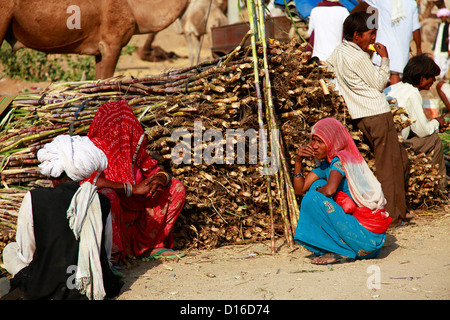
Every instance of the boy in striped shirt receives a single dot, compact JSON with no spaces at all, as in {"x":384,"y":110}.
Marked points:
{"x":361,"y":84}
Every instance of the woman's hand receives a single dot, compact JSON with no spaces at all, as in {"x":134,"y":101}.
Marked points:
{"x":305,"y":151}
{"x":142,"y":188}
{"x":155,"y":184}
{"x":301,"y":184}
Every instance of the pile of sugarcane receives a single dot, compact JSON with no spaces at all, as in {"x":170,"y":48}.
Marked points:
{"x":265,"y":87}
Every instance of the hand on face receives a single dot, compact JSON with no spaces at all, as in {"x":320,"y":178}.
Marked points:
{"x":305,"y":151}
{"x":317,"y":149}
{"x":381,"y":50}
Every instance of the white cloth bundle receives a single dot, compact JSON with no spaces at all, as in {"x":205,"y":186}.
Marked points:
{"x":85,"y":220}
{"x":397,"y":11}
{"x":75,"y":155}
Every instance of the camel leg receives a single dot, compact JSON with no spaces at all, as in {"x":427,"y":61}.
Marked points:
{"x":191,"y":48}
{"x":145,"y":52}
{"x":106,"y":62}
{"x":98,"y":65}
{"x":197,"y":49}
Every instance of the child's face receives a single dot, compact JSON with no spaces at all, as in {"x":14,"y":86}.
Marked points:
{"x":365,"y":39}
{"x":426,"y":83}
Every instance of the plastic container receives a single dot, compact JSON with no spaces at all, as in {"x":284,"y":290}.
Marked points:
{"x":431,"y":108}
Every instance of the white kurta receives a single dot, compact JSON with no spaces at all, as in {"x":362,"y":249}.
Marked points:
{"x":396,"y":37}
{"x":327,"y":23}
{"x":410,"y":98}
{"x":441,"y":58}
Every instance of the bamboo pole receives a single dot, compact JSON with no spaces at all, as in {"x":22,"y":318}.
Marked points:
{"x":285,"y":179}
{"x":250,"y":9}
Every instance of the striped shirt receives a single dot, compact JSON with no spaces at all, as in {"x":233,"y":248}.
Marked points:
{"x":360,"y":82}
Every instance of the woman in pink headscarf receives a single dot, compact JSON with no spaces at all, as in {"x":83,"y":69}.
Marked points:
{"x":342,"y":214}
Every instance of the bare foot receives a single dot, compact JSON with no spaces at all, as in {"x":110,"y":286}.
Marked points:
{"x":331,"y":258}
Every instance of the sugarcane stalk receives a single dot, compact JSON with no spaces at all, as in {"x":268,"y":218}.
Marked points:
{"x":8,"y":224}
{"x":281,"y":159}
{"x":252,"y":19}
{"x":32,"y":137}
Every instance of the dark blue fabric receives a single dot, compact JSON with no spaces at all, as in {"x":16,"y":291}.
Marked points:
{"x":304,"y":7}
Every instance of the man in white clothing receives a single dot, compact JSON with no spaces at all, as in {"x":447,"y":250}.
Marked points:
{"x":398,"y":23}
{"x":64,"y":229}
{"x":420,"y":74}
{"x":441,"y":43}
{"x":325,"y":27}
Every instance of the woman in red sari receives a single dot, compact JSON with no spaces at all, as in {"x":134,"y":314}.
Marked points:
{"x":145,"y":201}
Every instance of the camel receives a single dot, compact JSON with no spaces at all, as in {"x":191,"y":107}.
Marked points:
{"x":99,"y":28}
{"x":192,"y":24}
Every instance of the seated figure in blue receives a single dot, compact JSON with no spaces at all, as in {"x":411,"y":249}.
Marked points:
{"x":342,"y":216}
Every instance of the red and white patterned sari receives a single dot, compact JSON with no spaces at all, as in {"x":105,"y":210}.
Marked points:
{"x":139,"y":222}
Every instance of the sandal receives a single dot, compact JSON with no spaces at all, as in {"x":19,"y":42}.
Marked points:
{"x":337,"y":258}
{"x":158,"y":255}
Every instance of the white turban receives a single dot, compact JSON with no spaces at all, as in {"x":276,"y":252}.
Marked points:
{"x":75,"y":155}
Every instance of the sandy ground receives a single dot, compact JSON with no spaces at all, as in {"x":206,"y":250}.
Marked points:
{"x":414,"y":263}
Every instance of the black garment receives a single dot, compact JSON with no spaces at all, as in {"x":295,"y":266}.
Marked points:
{"x":50,"y":275}
{"x":444,"y":44}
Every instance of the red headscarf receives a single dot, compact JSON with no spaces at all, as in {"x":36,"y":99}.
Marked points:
{"x":119,"y":134}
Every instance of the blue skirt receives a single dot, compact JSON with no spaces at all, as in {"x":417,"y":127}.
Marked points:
{"x":323,"y":227}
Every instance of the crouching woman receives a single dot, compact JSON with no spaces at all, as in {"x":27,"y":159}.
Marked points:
{"x":342,"y":216}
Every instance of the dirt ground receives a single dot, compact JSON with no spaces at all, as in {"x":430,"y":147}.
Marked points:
{"x":414,"y":263}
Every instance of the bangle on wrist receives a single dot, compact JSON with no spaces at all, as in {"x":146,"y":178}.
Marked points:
{"x":128,"y":189}
{"x":167,"y":176}
{"x":298,"y":175}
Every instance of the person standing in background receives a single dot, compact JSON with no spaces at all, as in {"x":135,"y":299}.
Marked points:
{"x":398,"y":24}
{"x":325,"y":27}
{"x":440,"y":45}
